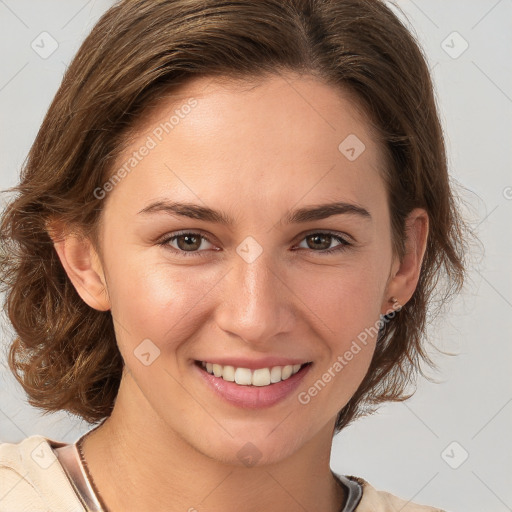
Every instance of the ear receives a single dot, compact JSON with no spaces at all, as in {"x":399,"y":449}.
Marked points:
{"x":82,"y":265}
{"x":406,"y":273}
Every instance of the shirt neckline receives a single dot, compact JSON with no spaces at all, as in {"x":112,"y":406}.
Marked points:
{"x":69,"y":459}
{"x":353,"y":492}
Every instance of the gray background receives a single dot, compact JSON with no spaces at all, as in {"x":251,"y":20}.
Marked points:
{"x":407,"y":448}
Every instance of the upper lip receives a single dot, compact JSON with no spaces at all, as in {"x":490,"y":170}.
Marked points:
{"x":253,"y":364}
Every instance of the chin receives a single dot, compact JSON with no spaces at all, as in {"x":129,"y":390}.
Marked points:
{"x":250,"y":450}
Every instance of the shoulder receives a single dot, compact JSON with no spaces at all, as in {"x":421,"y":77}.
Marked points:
{"x":32,"y":479}
{"x":382,"y":501}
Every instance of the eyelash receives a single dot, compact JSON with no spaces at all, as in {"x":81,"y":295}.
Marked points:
{"x":344,"y":244}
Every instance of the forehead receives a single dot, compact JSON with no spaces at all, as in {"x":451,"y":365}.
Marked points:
{"x":268,"y":104}
{"x":281,"y":137}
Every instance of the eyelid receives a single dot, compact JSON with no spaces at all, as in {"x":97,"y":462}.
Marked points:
{"x":348,"y":238}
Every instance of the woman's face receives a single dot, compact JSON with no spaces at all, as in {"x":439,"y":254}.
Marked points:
{"x":239,"y":274}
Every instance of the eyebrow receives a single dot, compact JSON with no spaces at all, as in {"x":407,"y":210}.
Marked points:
{"x":298,"y":216}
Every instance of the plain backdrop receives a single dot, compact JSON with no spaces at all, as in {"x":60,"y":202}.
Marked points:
{"x":448,"y":445}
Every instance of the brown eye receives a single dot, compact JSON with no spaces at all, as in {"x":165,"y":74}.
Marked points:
{"x":188,"y":242}
{"x":185,"y":244}
{"x":321,"y":243}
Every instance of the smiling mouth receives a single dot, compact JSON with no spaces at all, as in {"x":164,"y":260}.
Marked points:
{"x":247,"y":377}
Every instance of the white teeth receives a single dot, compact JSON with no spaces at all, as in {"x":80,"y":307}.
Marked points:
{"x":243,"y":376}
{"x":217,"y":370}
{"x":287,"y":372}
{"x":247,"y":377}
{"x":275,"y":374}
{"x":229,"y":373}
{"x":261,"y":377}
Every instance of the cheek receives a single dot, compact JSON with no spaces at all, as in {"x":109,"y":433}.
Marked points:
{"x":345,"y":305}
{"x":157,"y":301}
{"x":345,"y":299}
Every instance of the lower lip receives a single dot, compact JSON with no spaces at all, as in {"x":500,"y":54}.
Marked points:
{"x":253,"y":397}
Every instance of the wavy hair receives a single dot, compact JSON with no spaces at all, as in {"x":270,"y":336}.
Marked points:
{"x":64,"y":353}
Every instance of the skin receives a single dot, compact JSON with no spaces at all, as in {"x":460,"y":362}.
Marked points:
{"x":254,"y":153}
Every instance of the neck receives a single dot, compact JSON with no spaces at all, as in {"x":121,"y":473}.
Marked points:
{"x":156,"y":469}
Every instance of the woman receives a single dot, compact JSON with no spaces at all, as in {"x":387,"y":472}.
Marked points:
{"x":224,"y":246}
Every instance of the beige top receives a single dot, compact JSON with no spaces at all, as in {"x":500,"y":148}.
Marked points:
{"x":39,"y":474}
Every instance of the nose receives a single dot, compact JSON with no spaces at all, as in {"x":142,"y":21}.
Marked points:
{"x":256,"y":303}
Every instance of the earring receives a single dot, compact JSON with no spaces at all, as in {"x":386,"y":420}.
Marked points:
{"x":394,"y":300}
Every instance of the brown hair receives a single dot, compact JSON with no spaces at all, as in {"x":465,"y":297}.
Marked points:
{"x":65,"y":354}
